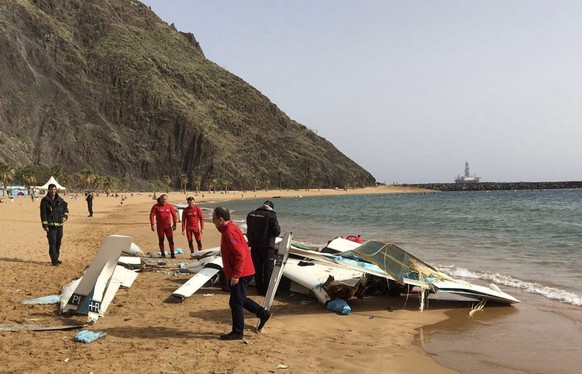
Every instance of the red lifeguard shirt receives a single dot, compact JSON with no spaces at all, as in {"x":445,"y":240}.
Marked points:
{"x":163,"y":215}
{"x":190,"y":218}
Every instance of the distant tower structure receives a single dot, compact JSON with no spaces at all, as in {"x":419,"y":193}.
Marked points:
{"x":467,"y":178}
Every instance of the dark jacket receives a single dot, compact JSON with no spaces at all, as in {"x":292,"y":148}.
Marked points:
{"x":53,"y":211}
{"x":262,"y":227}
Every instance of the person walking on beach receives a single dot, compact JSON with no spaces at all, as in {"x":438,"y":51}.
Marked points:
{"x":262,"y":229}
{"x":89,"y":200}
{"x":193,"y":224}
{"x":239,"y":270}
{"x":163,"y":215}
{"x":54,"y":212}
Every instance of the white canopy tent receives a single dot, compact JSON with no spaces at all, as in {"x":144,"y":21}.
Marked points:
{"x":51,"y":180}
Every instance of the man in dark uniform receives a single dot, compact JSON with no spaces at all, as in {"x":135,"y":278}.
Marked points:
{"x":262,"y":229}
{"x":89,"y":200}
{"x":54,"y":212}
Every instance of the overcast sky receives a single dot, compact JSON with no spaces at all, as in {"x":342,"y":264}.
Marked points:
{"x":410,"y":90}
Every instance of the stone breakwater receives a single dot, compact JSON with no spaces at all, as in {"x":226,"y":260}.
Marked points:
{"x":491,"y":186}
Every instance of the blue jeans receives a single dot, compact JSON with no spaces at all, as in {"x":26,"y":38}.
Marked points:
{"x":239,"y":301}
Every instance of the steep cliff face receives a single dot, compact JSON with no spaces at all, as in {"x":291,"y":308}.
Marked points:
{"x":106,"y":84}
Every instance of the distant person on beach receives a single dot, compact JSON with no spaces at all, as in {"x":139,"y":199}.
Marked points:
{"x":163,"y":215}
{"x":193,"y":224}
{"x":239,"y":270}
{"x":262,"y":229}
{"x":89,"y":200}
{"x":54,"y":212}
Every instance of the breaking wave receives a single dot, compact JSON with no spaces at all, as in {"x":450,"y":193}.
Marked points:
{"x":551,"y":293}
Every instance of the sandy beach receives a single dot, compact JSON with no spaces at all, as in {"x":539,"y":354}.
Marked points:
{"x":149,"y":332}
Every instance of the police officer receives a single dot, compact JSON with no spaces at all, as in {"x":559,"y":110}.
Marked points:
{"x":262,"y":229}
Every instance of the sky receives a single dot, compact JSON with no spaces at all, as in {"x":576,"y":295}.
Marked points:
{"x":412,"y":89}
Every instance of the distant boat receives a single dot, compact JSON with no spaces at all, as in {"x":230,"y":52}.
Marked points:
{"x":467,"y":178}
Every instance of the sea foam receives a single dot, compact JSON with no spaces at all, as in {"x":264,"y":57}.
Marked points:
{"x":551,"y":293}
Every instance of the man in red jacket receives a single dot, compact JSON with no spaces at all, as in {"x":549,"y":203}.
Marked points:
{"x":193,"y":224}
{"x":163,"y":215}
{"x":238,"y":269}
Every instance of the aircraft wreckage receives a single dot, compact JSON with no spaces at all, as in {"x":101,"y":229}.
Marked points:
{"x":340,"y":270}
{"x":344,"y":268}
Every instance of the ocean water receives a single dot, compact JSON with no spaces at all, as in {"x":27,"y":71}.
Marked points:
{"x":520,"y":240}
{"x":529,"y":243}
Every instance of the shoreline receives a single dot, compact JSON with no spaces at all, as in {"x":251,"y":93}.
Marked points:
{"x":145,"y":328}
{"x":205,"y":197}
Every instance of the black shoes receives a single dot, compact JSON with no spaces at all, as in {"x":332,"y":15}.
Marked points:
{"x":263,"y":321}
{"x":56,"y":263}
{"x":163,"y":255}
{"x":231,"y":336}
{"x":173,"y":255}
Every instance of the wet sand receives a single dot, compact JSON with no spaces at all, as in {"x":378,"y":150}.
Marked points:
{"x":535,"y":336}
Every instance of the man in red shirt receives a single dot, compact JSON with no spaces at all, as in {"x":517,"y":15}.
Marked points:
{"x":163,"y":215}
{"x":193,"y":224}
{"x":238,"y":269}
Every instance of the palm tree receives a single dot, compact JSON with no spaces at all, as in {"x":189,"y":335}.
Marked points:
{"x":345,"y":184}
{"x":29,"y":179}
{"x":167,"y":181}
{"x":197,"y":182}
{"x":183,"y":182}
{"x":214,"y":182}
{"x":87,"y":177}
{"x":6,"y":173}
{"x":225,"y":182}
{"x":108,"y":184}
{"x":28,"y":176}
{"x":97,"y":182}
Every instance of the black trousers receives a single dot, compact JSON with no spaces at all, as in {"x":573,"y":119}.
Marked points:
{"x":90,"y":208}
{"x":239,"y":301}
{"x":55,"y":235}
{"x":264,"y":262}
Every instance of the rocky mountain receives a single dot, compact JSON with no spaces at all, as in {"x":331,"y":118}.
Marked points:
{"x":108,"y":85}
